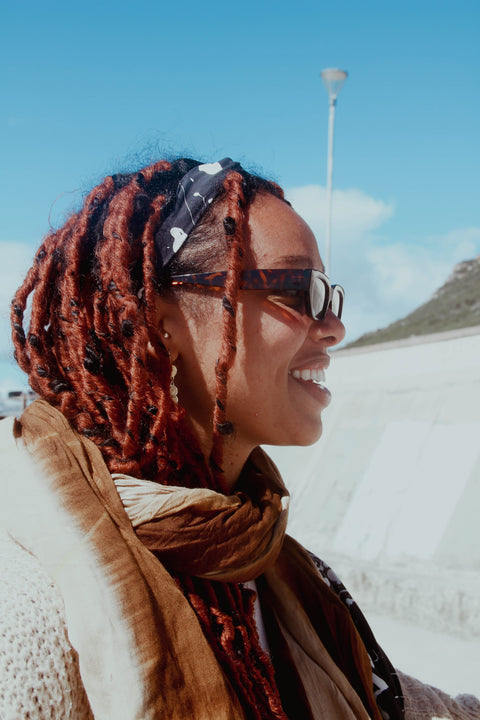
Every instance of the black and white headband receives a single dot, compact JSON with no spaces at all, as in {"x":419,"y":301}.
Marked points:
{"x":196,"y":191}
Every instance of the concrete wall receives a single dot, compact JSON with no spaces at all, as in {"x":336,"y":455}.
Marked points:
{"x":393,"y":486}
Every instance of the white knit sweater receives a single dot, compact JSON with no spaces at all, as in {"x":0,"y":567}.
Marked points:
{"x":39,"y":675}
{"x":39,"y":672}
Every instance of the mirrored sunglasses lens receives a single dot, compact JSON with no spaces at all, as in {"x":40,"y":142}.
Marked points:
{"x":336,"y":303}
{"x":318,"y":296}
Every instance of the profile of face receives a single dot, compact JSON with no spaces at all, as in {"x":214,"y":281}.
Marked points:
{"x":275,"y":387}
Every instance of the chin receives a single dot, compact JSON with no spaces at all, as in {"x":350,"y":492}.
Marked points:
{"x":302,"y":437}
{"x":312,"y":438}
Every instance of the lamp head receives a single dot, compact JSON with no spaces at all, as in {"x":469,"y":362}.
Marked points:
{"x":333,"y":79}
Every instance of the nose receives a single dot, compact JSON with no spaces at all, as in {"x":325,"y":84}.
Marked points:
{"x":330,"y":330}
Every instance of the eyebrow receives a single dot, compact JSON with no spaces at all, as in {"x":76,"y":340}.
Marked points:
{"x":294,"y":261}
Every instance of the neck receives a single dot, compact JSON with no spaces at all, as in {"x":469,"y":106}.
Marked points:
{"x":234,"y":458}
{"x":235,"y":454}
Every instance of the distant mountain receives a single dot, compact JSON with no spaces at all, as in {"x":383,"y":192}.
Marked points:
{"x":455,"y":305}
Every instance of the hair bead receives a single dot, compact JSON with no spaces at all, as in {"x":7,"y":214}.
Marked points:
{"x":225,"y":428}
{"x":127,"y":328}
{"x":229,"y":225}
{"x":228,"y":306}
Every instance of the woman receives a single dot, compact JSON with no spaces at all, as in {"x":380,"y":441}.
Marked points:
{"x":178,"y":321}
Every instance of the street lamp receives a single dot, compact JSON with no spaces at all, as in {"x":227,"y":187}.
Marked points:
{"x":333,"y":79}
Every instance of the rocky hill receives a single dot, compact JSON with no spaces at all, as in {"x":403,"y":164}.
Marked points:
{"x":455,"y":305}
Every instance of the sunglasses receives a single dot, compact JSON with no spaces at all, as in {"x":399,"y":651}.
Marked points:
{"x":309,"y":287}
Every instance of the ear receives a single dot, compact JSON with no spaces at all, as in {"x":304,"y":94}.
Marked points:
{"x":169,"y":323}
{"x":169,"y":343}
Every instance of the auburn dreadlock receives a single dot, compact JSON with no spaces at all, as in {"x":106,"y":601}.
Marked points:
{"x":92,"y":290}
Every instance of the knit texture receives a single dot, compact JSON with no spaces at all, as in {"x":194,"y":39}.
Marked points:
{"x":423,"y":702}
{"x":39,"y":674}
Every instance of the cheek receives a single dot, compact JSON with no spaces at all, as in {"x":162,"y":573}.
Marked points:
{"x":269,"y":331}
{"x":199,"y":350}
{"x":266,"y":344}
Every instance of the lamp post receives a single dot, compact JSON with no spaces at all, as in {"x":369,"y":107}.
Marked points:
{"x":333,"y":79}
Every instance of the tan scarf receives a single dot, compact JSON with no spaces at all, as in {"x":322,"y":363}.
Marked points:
{"x":207,"y":534}
{"x":141,"y":649}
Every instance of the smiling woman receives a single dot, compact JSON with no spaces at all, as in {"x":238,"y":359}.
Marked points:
{"x":177,"y":322}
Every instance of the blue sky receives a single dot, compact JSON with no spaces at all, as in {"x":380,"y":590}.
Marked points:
{"x":94,"y":87}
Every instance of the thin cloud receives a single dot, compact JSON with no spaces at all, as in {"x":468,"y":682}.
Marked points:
{"x":418,"y":270}
{"x":353,"y":212}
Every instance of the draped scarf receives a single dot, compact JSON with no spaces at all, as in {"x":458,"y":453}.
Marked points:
{"x":142,"y":651}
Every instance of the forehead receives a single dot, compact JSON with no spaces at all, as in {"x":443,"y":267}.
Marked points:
{"x":279,"y":237}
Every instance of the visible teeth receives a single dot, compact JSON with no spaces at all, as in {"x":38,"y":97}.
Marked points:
{"x":316,"y":375}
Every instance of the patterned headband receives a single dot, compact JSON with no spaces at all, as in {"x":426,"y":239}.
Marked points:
{"x":196,"y":191}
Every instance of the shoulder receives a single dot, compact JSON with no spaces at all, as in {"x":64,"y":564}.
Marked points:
{"x":39,"y":674}
{"x":423,"y":702}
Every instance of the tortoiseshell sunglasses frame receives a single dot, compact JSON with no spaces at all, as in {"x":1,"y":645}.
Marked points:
{"x":282,"y":279}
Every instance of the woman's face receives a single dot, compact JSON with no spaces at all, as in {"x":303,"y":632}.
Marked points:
{"x":267,"y":402}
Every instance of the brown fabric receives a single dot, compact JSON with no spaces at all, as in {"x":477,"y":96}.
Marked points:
{"x":314,"y":620}
{"x":179,"y":673}
{"x":202,"y":539}
{"x":289,"y":683}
